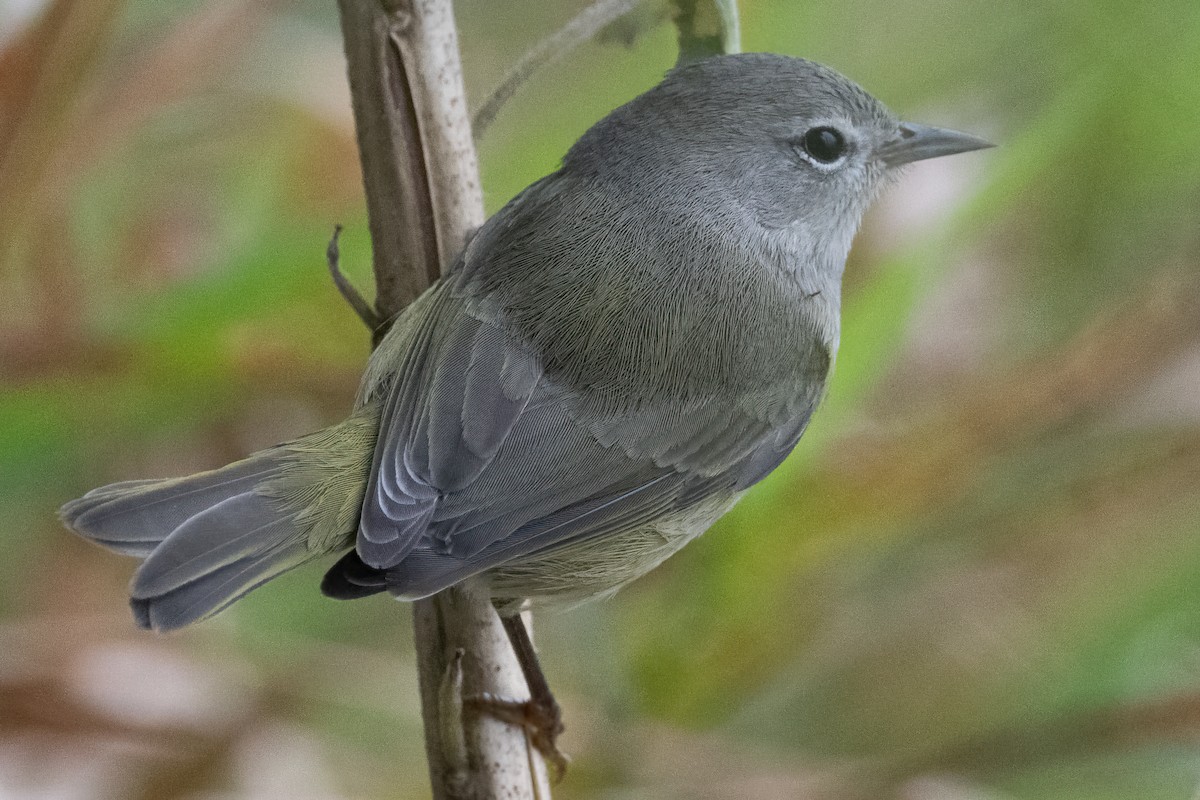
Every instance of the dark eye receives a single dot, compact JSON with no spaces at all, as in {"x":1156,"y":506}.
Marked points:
{"x":824,"y":144}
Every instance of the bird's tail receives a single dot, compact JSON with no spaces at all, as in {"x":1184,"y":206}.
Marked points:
{"x":210,"y":538}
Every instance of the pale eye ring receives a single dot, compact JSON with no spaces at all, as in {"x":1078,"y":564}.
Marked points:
{"x":823,"y":144}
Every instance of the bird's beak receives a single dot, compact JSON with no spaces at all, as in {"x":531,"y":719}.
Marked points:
{"x":914,"y":142}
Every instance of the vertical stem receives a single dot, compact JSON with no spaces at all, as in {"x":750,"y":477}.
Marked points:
{"x":423,"y":200}
{"x":428,"y":48}
{"x":395,"y":176}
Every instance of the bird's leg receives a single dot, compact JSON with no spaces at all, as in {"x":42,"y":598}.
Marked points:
{"x":543,"y":709}
{"x":540,"y":715}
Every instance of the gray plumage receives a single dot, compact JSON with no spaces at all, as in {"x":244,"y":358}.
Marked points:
{"x":616,"y":356}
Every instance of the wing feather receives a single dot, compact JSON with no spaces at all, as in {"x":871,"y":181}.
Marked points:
{"x":539,"y":401}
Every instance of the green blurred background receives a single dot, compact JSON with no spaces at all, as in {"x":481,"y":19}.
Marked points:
{"x":976,"y":578}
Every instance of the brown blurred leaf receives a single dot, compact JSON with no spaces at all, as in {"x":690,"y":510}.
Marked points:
{"x":44,"y":71}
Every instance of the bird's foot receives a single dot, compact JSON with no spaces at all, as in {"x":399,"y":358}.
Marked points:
{"x":542,"y":722}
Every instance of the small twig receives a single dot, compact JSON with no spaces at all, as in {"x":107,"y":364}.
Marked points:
{"x":345,"y":287}
{"x":583,"y":27}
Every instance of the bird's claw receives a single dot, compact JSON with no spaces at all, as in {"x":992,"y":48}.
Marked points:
{"x":542,"y":723}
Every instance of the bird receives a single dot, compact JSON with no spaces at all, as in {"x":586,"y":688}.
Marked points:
{"x":615,"y":357}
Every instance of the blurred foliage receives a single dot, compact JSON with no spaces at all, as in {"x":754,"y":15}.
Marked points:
{"x":974,"y":579}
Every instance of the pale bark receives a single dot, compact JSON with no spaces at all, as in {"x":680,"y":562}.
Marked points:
{"x":423,"y":200}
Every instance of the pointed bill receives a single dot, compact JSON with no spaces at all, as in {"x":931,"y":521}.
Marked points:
{"x":914,"y":142}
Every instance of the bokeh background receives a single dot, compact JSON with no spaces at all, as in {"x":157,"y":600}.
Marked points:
{"x":976,"y":578}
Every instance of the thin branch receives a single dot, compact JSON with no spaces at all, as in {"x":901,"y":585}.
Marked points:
{"x":399,"y":205}
{"x":423,"y":199}
{"x":554,"y":47}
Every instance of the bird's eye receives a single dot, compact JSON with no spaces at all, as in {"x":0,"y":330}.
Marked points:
{"x":824,"y":144}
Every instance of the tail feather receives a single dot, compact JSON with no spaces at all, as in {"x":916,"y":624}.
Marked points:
{"x":203,"y":598}
{"x":350,"y":579}
{"x":210,"y":538}
{"x":134,"y":517}
{"x":224,"y":534}
{"x":208,"y":587}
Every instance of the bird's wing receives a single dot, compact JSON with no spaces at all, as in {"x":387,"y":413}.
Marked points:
{"x":455,"y":389}
{"x":554,"y":483}
{"x":474,"y":443}
{"x":533,"y":399}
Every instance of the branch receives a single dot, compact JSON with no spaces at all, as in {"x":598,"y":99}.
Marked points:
{"x":423,"y":199}
{"x":705,"y":28}
{"x":583,"y":27}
